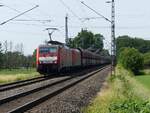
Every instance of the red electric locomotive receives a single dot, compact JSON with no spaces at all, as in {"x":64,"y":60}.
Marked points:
{"x":56,"y":57}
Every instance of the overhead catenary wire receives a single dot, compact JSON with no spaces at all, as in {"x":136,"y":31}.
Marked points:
{"x":18,"y":15}
{"x":22,"y":32}
{"x":40,"y":11}
{"x":89,"y":18}
{"x":27,"y":24}
{"x":96,"y":12}
{"x":12,"y":8}
{"x":66,"y":6}
{"x":59,"y":26}
{"x":84,"y":12}
{"x":33,"y":20}
{"x":93,"y":27}
{"x":124,"y":16}
{"x":41,"y":21}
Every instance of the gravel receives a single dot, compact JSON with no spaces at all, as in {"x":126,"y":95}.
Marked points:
{"x":75,"y":98}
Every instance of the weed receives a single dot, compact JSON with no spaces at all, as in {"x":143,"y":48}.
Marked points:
{"x":124,"y":95}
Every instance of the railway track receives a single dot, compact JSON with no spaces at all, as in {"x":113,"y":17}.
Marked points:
{"x":13,"y":85}
{"x":18,"y":84}
{"x":24,"y":101}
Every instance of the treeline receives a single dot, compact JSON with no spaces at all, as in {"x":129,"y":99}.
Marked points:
{"x":90,"y":41}
{"x":140,"y":44}
{"x":133,"y":53}
{"x":12,"y":56}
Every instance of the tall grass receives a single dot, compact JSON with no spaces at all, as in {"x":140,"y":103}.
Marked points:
{"x":7,"y":76}
{"x":122,"y":94}
{"x":147,"y":71}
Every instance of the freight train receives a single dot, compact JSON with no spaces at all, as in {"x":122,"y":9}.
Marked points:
{"x":56,"y":57}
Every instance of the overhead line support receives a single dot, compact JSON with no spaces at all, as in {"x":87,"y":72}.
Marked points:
{"x":66,"y":30}
{"x":113,"y":39}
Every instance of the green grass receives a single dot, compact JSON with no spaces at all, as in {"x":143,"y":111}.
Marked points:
{"x":17,"y":71}
{"x":144,"y":79}
{"x":7,"y":76}
{"x":122,"y":94}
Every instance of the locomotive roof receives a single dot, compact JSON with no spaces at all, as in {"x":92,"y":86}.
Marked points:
{"x":55,"y":43}
{"x":47,"y":45}
{"x":52,"y":43}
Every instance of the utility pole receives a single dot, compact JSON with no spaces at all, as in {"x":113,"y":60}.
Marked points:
{"x":113,"y":40}
{"x":66,"y":30}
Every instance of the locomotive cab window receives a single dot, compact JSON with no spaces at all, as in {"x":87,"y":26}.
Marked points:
{"x":48,"y":50}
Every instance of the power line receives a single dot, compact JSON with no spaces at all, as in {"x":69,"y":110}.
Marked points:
{"x":41,"y":21}
{"x":33,"y":20}
{"x":90,"y":18}
{"x":82,"y":9}
{"x":18,"y":15}
{"x":22,"y":32}
{"x":40,"y":11}
{"x":37,"y":25}
{"x":12,"y":8}
{"x":93,"y":27}
{"x":69,"y":9}
{"x":96,"y":12}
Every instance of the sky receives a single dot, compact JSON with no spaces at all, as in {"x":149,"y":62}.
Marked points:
{"x":131,"y":18}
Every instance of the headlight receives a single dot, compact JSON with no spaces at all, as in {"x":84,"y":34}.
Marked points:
{"x":55,"y":61}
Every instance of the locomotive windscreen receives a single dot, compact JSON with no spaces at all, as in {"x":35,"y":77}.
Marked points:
{"x":48,"y":49}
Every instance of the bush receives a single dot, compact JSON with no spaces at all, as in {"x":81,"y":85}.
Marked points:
{"x":130,"y":106}
{"x":131,"y":59}
{"x":147,"y":59}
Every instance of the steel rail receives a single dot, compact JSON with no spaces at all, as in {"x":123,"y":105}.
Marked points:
{"x":12,"y":83}
{"x":18,"y":84}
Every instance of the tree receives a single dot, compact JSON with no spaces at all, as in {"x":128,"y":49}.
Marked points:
{"x":34,"y":58}
{"x":84,"y":39}
{"x":1,"y":56}
{"x":5,"y":58}
{"x":126,"y":41}
{"x":147,"y":59}
{"x":87,"y":40}
{"x":98,"y":42}
{"x":14,"y":59}
{"x":5,"y":44}
{"x":131,"y":58}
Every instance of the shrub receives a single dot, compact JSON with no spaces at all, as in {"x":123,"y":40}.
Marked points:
{"x":146,"y":59}
{"x":131,"y":59}
{"x":130,"y":106}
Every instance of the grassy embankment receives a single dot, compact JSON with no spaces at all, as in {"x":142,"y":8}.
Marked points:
{"x":122,"y":94}
{"x":7,"y":76}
